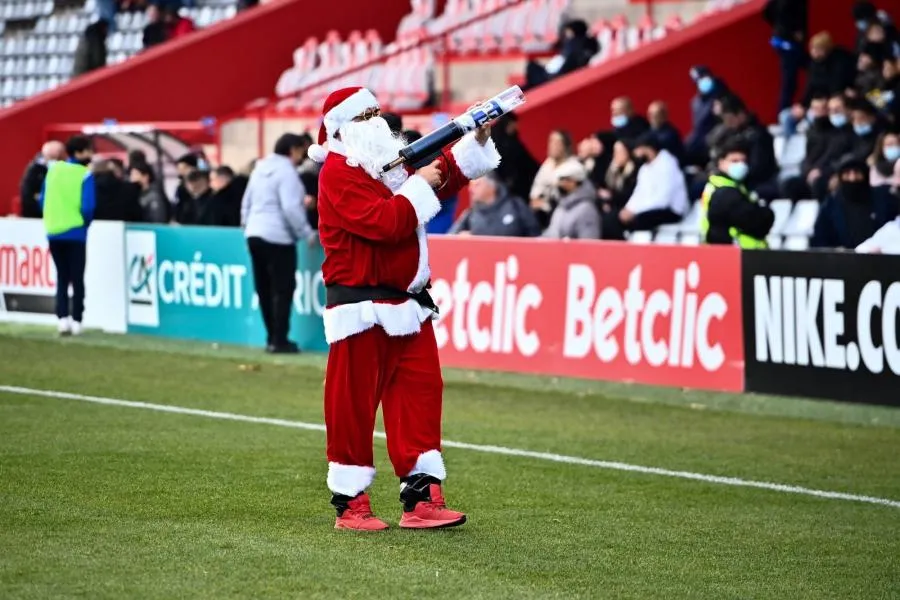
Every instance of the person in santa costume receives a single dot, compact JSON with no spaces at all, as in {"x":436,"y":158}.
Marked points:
{"x":378,"y":311}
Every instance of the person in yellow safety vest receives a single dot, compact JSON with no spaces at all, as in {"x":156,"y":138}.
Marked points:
{"x":68,"y":201}
{"x":730,"y":213}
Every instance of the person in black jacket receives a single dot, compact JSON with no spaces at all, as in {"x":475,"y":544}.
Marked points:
{"x":155,"y":208}
{"x":91,"y":51}
{"x":33,"y":179}
{"x":576,"y":50}
{"x":703,"y":117}
{"x":817,"y":140}
{"x":494,"y":211}
{"x":518,"y":167}
{"x":117,"y":199}
{"x":183,"y":211}
{"x":228,"y":191}
{"x":155,"y":30}
{"x":627,"y":125}
{"x":669,"y":137}
{"x":852,"y":214}
{"x":205,"y":209}
{"x":746,"y":128}
{"x":789,"y":23}
{"x":731,"y":206}
{"x":866,"y":129}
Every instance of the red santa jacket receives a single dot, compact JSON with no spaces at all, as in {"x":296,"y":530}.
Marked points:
{"x":373,"y":235}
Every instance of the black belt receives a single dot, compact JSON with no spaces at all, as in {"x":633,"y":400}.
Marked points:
{"x":336,"y":294}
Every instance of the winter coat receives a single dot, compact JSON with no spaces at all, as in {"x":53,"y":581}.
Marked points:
{"x":30,"y":189}
{"x":90,"y":54}
{"x":507,"y":216}
{"x":577,"y":216}
{"x":272,"y":207}
{"x":154,"y":206}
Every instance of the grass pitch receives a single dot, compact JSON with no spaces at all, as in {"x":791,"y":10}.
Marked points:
{"x":109,"y":502}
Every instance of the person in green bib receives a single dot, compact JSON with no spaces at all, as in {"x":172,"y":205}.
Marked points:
{"x":68,"y":200}
{"x":730,"y":213}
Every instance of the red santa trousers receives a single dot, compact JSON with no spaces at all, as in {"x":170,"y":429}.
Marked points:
{"x":403,"y":374}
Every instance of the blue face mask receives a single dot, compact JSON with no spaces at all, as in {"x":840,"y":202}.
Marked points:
{"x":705,"y":85}
{"x":892,"y":153}
{"x":810,"y":116}
{"x":838,"y":120}
{"x":619,"y":121}
{"x":862,"y":25}
{"x":737,"y":171}
{"x":864,"y":129}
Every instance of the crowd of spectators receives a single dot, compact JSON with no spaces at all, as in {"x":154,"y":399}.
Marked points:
{"x":641,"y":172}
{"x":164,"y":22}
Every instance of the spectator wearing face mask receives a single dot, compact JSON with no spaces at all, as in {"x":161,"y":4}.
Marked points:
{"x":831,"y":70}
{"x":660,"y":195}
{"x":627,"y":125}
{"x":852,"y":214}
{"x":840,"y":140}
{"x":884,"y":164}
{"x":495,"y":211}
{"x":866,"y":129}
{"x":577,"y":216}
{"x":887,"y":97}
{"x":817,"y":139}
{"x":730,"y":213}
{"x":866,"y":15}
{"x":703,"y":117}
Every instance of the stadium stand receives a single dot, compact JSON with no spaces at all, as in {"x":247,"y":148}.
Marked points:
{"x":39,"y":40}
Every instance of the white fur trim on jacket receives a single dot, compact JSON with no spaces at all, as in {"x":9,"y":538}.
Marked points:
{"x":349,"y":480}
{"x":473,"y":159}
{"x":345,"y":320}
{"x":423,"y":270}
{"x":423,"y":199}
{"x":430,"y":463}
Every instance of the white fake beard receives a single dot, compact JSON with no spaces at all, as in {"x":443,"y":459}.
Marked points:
{"x":371,"y":145}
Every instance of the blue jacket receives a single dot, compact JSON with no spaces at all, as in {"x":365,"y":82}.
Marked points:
{"x":88,"y":206}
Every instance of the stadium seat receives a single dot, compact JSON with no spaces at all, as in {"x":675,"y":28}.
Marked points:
{"x":796,"y":242}
{"x":775,"y":242}
{"x":802,"y":219}
{"x":641,"y":237}
{"x":666,"y":236}
{"x":690,"y":239}
{"x":782,"y":210}
{"x":690,"y":225}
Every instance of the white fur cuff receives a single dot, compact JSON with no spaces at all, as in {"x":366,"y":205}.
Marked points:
{"x":349,"y":480}
{"x":423,"y":199}
{"x":430,"y":463}
{"x":473,"y":159}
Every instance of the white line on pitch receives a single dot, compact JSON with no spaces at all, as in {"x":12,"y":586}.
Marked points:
{"x":560,"y":458}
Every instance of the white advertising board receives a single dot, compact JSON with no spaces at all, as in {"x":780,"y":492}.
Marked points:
{"x":28,"y":277}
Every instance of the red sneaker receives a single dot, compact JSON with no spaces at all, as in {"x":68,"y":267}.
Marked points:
{"x":357,"y":514}
{"x":431,"y":513}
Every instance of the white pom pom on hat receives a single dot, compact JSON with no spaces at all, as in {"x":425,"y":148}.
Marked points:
{"x":340,"y":108}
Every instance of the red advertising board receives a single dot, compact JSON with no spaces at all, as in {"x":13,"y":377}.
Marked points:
{"x":660,"y":315}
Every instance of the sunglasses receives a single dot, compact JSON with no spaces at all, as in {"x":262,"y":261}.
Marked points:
{"x":369,"y":114}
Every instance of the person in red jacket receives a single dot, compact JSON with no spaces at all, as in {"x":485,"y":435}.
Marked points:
{"x":378,"y":311}
{"x":176,"y":25}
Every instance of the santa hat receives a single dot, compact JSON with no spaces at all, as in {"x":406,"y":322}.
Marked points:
{"x":341,"y":107}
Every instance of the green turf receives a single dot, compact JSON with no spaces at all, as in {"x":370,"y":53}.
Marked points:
{"x":108,"y":502}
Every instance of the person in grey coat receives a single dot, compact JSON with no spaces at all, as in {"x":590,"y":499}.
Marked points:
{"x":495,"y":211}
{"x":576,"y":216}
{"x":274,"y":220}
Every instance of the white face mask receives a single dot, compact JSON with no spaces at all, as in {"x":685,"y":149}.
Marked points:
{"x":371,"y":145}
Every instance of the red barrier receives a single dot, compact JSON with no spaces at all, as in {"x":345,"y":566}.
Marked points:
{"x":647,"y":314}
